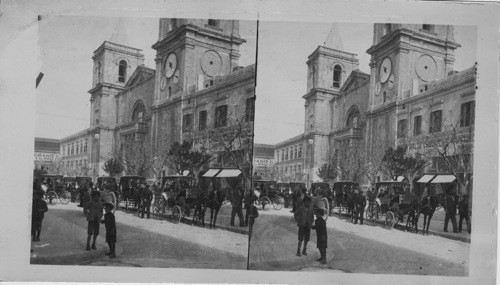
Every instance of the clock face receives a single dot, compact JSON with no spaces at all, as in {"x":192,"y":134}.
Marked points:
{"x":163,"y":83}
{"x":385,"y":69}
{"x":426,"y":68}
{"x":378,"y":87}
{"x":176,"y":77}
{"x":390,"y":83}
{"x":211,"y":63}
{"x":170,"y":65}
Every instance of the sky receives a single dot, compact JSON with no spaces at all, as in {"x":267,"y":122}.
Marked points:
{"x":67,"y":44}
{"x":282,"y":70}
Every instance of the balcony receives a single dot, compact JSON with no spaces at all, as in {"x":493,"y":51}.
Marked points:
{"x":348,"y":133}
{"x":134,"y":127}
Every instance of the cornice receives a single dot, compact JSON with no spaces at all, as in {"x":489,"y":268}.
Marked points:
{"x":321,"y":92}
{"x":184,"y":29}
{"x":382,"y":109}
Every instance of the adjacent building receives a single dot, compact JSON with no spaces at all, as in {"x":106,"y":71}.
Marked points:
{"x":47,"y":152}
{"x":410,"y":94}
{"x":75,"y":154}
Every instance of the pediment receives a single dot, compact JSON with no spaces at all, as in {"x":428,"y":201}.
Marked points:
{"x":355,"y":79}
{"x":140,"y":74}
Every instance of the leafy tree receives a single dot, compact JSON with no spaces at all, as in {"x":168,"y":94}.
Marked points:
{"x":182,"y":156}
{"x":113,"y":167}
{"x":398,"y":162}
{"x":328,"y":172}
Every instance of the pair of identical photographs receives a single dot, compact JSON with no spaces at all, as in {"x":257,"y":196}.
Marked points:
{"x":280,"y":111}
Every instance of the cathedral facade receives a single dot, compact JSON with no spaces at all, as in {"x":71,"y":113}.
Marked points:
{"x":411,"y":92}
{"x":196,"y":86}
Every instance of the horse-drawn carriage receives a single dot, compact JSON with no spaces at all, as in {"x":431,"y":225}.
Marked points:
{"x":70,"y":186}
{"x":268,"y":194}
{"x":321,"y":196}
{"x":343,"y":193}
{"x":395,"y":201}
{"x":285,"y":192}
{"x":53,"y":186}
{"x":129,"y":190}
{"x":178,"y":197}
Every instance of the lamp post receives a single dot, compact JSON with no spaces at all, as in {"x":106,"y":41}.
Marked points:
{"x":310,"y":175}
{"x":97,"y":155}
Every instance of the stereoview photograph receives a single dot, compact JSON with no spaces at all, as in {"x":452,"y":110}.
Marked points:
{"x":367,"y":165}
{"x":144,"y":137}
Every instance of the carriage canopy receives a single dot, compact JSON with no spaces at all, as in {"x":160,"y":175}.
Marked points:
{"x":320,"y":189}
{"x":348,"y":186}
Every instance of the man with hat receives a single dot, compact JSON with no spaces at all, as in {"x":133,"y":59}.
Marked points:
{"x":109,"y":222}
{"x":146,"y":198}
{"x":463,"y":212}
{"x":321,"y":234}
{"x":305,"y":219}
{"x":359,"y":206}
{"x":450,"y":207}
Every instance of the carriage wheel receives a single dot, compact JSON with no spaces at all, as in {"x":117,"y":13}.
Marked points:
{"x":65,"y":197}
{"x":390,"y":220}
{"x":277,"y":203}
{"x":176,"y":214}
{"x":264,"y":201}
{"x":51,"y":197}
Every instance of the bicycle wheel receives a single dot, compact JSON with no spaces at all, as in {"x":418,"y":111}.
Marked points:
{"x":390,"y":220}
{"x":51,"y":197}
{"x":65,"y":197}
{"x":277,"y":203}
{"x":176,"y":214}
{"x":264,"y":201}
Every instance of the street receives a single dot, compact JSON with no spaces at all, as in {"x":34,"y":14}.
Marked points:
{"x":368,"y":248}
{"x":140,"y":243}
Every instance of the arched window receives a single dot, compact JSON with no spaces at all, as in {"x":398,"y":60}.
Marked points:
{"x":387,"y":29}
{"x":122,"y":70}
{"x":353,"y":118}
{"x":77,"y":147}
{"x":337,"y":76}
{"x":138,"y":114}
{"x":98,"y":71}
{"x":169,"y":91}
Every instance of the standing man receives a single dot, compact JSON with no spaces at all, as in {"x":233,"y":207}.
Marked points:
{"x":304,"y":222}
{"x":359,"y":206}
{"x":463,"y":212}
{"x":236,"y":199}
{"x":93,"y":210}
{"x":146,"y":198}
{"x":450,"y":206}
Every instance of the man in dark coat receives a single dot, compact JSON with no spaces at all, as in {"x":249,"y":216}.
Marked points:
{"x":109,"y":222}
{"x":236,"y":198}
{"x":359,"y":206}
{"x":463,"y":212}
{"x":38,"y":212}
{"x":321,"y":234}
{"x":250,"y":198}
{"x":450,"y":207}
{"x":146,"y":198}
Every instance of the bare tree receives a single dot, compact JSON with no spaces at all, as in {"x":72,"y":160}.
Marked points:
{"x":453,"y":147}
{"x":136,"y":154}
{"x":373,"y":160}
{"x":350,"y":160}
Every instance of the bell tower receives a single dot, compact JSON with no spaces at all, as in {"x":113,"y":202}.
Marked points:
{"x":114,"y":62}
{"x":327,"y":69}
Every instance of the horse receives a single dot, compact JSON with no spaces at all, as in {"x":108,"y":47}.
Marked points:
{"x":427,"y":207}
{"x":214,"y":202}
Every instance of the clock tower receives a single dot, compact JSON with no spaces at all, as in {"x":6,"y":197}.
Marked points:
{"x":191,"y":53}
{"x":406,"y":58}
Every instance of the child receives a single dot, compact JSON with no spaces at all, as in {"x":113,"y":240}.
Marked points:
{"x":304,"y":222}
{"x":109,"y":222}
{"x":37,"y":215}
{"x":321,"y":234}
{"x":93,"y":211}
